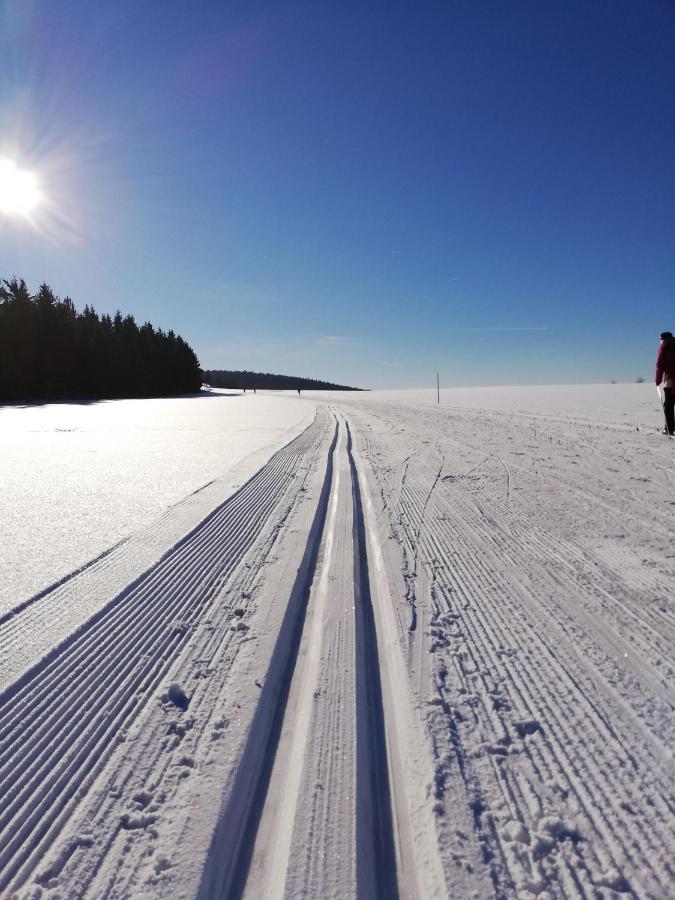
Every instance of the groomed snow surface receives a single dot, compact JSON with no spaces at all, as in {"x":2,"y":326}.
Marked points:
{"x":343,"y":645}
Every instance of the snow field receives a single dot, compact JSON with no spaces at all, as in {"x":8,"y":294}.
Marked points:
{"x":79,"y":478}
{"x":550,"y":670}
{"x":66,"y":715}
{"x":420,"y":650}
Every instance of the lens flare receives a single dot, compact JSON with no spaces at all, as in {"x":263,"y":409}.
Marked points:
{"x":19,"y":193}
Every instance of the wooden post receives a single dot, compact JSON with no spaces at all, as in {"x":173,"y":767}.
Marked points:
{"x":438,"y":389}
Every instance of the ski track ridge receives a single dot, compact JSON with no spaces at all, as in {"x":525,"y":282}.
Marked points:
{"x":96,"y":561}
{"x":376,"y":852}
{"x":382,"y":846}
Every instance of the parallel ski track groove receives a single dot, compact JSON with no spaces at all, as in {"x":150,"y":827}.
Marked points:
{"x":644,"y":576}
{"x":379,"y":873}
{"x":175,"y":563}
{"x":517,"y":805}
{"x":232,"y":846}
{"x":468,"y":570}
{"x":595,"y":787}
{"x":215,"y":646}
{"x":96,"y":562}
{"x":209,"y":525}
{"x":545,"y":549}
{"x":627,"y":635}
{"x":53,"y":713}
{"x":566,"y":552}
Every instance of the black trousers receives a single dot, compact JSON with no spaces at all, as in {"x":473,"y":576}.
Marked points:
{"x":669,"y":409}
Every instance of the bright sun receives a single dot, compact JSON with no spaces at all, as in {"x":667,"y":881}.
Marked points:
{"x":19,"y":194}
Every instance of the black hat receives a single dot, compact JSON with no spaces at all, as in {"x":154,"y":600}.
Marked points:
{"x":666,"y":336}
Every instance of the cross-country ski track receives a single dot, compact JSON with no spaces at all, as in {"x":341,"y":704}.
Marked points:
{"x":409,"y":657}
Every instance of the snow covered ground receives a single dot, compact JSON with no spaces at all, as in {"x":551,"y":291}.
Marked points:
{"x":78,"y":478}
{"x":618,"y":405}
{"x":390,"y":647}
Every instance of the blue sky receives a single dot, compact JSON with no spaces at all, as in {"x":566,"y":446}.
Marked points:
{"x":364,"y":192}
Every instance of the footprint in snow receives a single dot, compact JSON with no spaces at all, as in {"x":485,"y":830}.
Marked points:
{"x":179,"y":729}
{"x":143,"y":799}
{"x":515,"y":832}
{"x":162,"y":865}
{"x":177,"y":696}
{"x":614,"y":880}
{"x":135,"y":822}
{"x":527,"y":726}
{"x":219,"y":727}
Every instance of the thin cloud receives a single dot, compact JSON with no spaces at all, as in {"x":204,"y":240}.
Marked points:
{"x":338,"y":340}
{"x":502,"y":328}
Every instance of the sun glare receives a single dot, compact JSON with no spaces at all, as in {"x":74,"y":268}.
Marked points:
{"x":19,"y":194}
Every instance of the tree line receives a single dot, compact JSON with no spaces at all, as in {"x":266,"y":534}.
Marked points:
{"x":224,"y":378}
{"x":49,"y":351}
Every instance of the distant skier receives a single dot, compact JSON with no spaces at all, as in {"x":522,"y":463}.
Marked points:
{"x":298,"y":392}
{"x":665,"y":376}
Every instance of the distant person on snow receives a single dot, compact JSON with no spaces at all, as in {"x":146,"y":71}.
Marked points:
{"x":665,"y":376}
{"x":298,"y":392}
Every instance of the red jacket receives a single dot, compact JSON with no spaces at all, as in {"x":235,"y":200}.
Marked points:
{"x":665,"y":362}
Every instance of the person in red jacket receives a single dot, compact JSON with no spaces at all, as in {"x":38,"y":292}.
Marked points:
{"x":665,"y":375}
